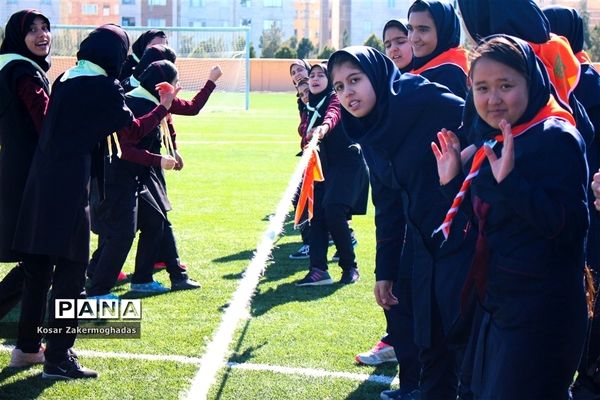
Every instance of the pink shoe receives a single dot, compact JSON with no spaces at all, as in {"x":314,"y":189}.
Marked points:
{"x":18,"y":359}
{"x":162,"y":265}
{"x":379,"y":354}
{"x":159,"y":265}
{"x":122,"y":277}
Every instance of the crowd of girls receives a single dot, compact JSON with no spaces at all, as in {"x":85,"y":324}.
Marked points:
{"x":487,"y":242}
{"x":486,"y":223}
{"x":59,"y":144}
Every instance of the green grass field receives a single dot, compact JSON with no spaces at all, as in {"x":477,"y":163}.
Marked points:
{"x":237,"y":165}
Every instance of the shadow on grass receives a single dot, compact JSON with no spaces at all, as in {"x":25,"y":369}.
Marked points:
{"x":289,"y":292}
{"x":372,"y":389}
{"x":288,"y":230}
{"x":30,"y":387}
{"x":238,"y":357}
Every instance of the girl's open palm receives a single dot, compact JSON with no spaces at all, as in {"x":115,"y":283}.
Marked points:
{"x":502,"y":166}
{"x":447,"y":155}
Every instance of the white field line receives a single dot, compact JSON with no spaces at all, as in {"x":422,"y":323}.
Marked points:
{"x":216,"y":350}
{"x":232,"y":142}
{"x":278,"y":369}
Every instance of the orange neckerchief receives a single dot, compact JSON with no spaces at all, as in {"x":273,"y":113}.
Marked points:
{"x":583,"y":57}
{"x":312,"y":173}
{"x":455,"y":56}
{"x":551,"y":109}
{"x":562,"y":65}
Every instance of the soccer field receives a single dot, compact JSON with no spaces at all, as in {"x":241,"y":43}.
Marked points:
{"x":294,"y":342}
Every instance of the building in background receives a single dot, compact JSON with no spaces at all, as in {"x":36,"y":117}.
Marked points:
{"x":332,"y":23}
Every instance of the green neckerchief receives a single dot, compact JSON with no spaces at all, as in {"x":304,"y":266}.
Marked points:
{"x":143,"y":94}
{"x":83,"y":68}
{"x":137,"y":60}
{"x":315,"y":112}
{"x":8,"y":57}
{"x":133,"y":82}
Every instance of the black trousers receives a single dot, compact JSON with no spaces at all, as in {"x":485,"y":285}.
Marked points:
{"x":11,"y":289}
{"x":331,"y":219}
{"x":67,"y":278}
{"x":168,"y":253}
{"x":113,"y":248}
{"x":440,"y":364}
{"x":400,"y":329}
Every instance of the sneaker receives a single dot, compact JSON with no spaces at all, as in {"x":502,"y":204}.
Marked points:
{"x":349,"y":276}
{"x":315,"y":277}
{"x":400,"y":394}
{"x":107,"y":296}
{"x":379,"y":354}
{"x":336,"y":256}
{"x":160,"y":265}
{"x":184,"y":284}
{"x":122,"y":278}
{"x":150,"y":287}
{"x":302,"y":253}
{"x":18,"y":359}
{"x":68,"y":369}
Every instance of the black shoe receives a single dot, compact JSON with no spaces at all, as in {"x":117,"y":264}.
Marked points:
{"x":350,"y":276}
{"x":336,"y":256}
{"x":302,"y":253}
{"x":184,"y":284}
{"x":68,"y":369}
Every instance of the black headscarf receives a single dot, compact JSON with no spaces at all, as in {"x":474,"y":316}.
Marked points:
{"x":138,"y":47}
{"x":539,"y":87}
{"x":400,"y":97}
{"x":396,"y":23}
{"x":447,"y":26}
{"x":107,"y":47}
{"x":566,"y":22}
{"x":520,"y":18}
{"x":157,"y":72}
{"x":154,"y":53}
{"x":14,"y":36}
{"x":315,"y":99}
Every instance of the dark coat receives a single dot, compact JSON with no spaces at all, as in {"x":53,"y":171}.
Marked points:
{"x":535,"y":314}
{"x":396,"y":139}
{"x":18,"y":134}
{"x":18,"y":140}
{"x":54,"y":217}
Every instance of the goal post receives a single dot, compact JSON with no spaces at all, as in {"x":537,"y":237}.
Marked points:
{"x":198,"y":49}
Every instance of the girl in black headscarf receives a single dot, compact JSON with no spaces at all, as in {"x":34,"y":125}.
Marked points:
{"x":388,"y":115}
{"x":166,"y":257}
{"x":344,"y":190}
{"x":24,"y":93}
{"x":528,"y":184}
{"x":399,"y":343}
{"x":153,"y":53}
{"x":86,"y":106}
{"x":434,"y":31}
{"x":136,"y":198}
{"x":145,"y":40}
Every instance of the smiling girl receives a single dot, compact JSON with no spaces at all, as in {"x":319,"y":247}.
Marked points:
{"x":528,"y":186}
{"x":24,"y":93}
{"x":434,"y":33}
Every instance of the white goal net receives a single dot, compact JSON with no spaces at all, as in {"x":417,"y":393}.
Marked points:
{"x":198,"y":50}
